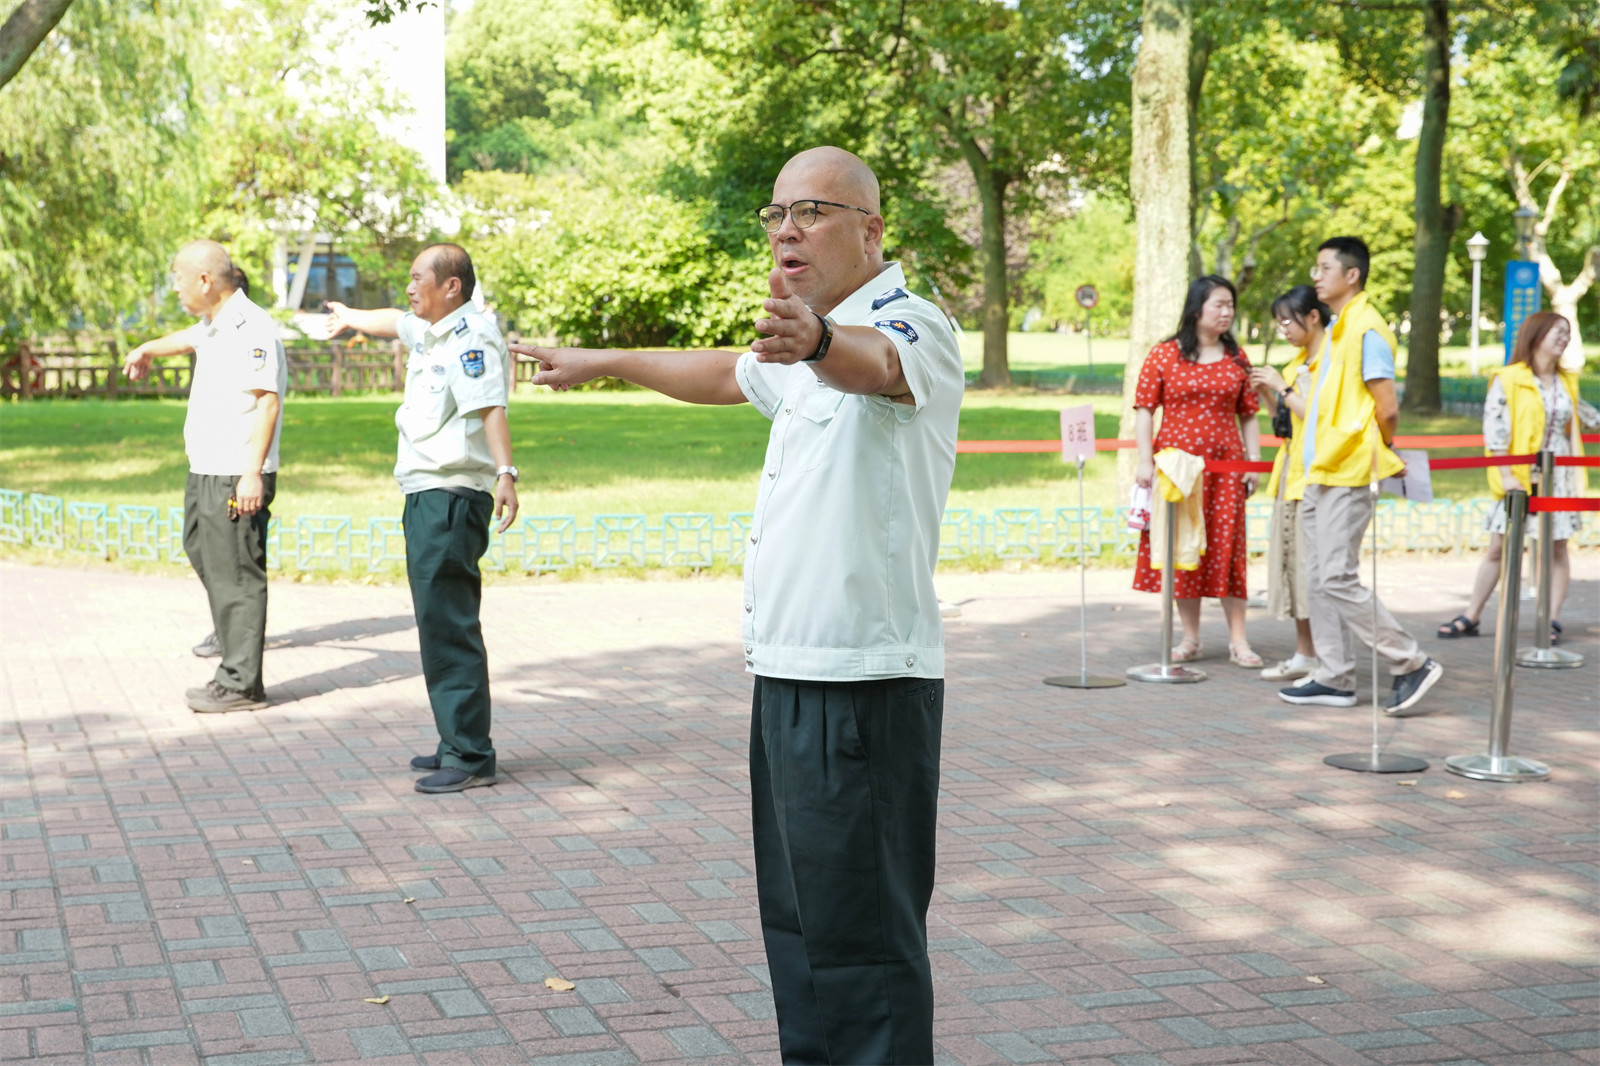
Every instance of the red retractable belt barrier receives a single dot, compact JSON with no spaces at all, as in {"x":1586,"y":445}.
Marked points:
{"x":1479,"y":462}
{"x":1237,"y":466}
{"x":1578,"y":460}
{"x":1110,"y":444}
{"x":1541,"y":504}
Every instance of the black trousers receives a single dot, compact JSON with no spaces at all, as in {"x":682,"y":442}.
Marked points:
{"x":230,"y":558}
{"x":446,"y":535}
{"x":844,"y":782}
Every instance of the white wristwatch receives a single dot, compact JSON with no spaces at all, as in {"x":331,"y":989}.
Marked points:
{"x":507,"y":470}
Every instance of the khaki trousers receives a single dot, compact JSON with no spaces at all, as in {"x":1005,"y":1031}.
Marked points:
{"x":1334,"y":519}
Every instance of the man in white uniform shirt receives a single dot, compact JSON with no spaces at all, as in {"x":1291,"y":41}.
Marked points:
{"x":863,"y":383}
{"x":454,"y":467}
{"x":231,"y":432}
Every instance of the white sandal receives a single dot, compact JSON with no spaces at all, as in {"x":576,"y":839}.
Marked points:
{"x":1241,"y":654}
{"x":1186,"y":651}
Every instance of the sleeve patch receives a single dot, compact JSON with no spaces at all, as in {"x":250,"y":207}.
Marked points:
{"x":472,"y":363}
{"x":889,"y":297}
{"x":258,"y":358}
{"x":900,"y":326}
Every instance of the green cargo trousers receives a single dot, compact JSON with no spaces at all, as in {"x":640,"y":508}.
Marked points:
{"x":231,"y":559}
{"x":446,"y":535}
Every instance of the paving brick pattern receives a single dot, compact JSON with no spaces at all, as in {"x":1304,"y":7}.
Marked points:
{"x":1136,"y":877}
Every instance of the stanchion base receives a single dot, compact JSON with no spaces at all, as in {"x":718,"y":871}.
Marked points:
{"x":1488,"y":768}
{"x":1085,"y":681}
{"x":1365,"y":762}
{"x":1170,"y":675}
{"x":1548,"y":658}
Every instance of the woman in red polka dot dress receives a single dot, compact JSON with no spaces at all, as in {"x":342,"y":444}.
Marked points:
{"x":1200,"y":378}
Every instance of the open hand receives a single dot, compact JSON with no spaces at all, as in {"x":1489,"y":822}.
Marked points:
{"x":559,"y":368}
{"x":336,"y":320}
{"x":137,"y":364}
{"x":794,"y":331}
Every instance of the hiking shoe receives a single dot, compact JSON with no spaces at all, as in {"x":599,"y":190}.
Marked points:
{"x":218,"y":699}
{"x":1410,"y":688}
{"x":209,"y":648}
{"x":451,"y":780}
{"x":1291,"y":669}
{"x":1312,"y":691}
{"x":425,"y":762}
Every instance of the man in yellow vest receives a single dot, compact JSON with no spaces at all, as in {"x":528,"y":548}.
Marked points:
{"x":1350,"y":413}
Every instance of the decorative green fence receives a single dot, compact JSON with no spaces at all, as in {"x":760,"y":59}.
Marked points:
{"x":543,"y":543}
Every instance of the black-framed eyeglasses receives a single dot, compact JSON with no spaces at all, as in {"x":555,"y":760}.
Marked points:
{"x":804,"y":213}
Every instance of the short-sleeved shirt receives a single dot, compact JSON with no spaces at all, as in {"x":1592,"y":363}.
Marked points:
{"x":1201,"y":403}
{"x":1377,"y":362}
{"x":237,"y":353}
{"x":839,"y":558}
{"x":456,"y":367}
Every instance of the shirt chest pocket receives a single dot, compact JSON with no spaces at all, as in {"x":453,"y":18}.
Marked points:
{"x":428,"y":401}
{"x":809,"y":436}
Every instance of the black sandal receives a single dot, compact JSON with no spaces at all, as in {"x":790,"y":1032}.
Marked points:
{"x":1555,"y":632}
{"x":1459,"y":626}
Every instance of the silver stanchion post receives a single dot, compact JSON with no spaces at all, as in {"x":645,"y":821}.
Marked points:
{"x":1542,"y":655}
{"x":1083,"y":679}
{"x":1496,"y":765}
{"x":1376,"y":761}
{"x":1165,"y":670}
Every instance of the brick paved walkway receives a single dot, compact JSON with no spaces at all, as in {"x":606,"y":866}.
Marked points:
{"x":1141,"y":876}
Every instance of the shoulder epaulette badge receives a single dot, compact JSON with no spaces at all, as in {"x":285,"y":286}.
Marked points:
{"x":889,"y":297}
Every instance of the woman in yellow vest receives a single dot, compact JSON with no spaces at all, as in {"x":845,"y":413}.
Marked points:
{"x":1532,"y":406}
{"x":1303,"y":320}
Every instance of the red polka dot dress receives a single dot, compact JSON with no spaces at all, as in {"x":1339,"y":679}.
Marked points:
{"x":1200,"y":408}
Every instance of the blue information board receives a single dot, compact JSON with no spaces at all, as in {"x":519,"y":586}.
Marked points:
{"x":1522,"y":297}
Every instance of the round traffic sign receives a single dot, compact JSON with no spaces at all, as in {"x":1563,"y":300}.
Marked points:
{"x":1087,"y":296}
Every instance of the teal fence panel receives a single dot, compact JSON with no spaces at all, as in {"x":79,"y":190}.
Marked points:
{"x":549,"y":543}
{"x":386,"y":542}
{"x":955,"y":533}
{"x":322,"y":542}
{"x":1071,"y":524}
{"x":175,"y":552}
{"x":1017,"y":532}
{"x":739,"y":525}
{"x":86,"y":527}
{"x":139,"y":532}
{"x":619,"y":540}
{"x":47,"y":521}
{"x":11,"y":517}
{"x":688,"y":539}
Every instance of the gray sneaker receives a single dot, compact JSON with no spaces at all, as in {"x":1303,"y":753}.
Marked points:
{"x":210,"y":648}
{"x":217,"y":699}
{"x":1410,"y":688}
{"x":450,"y":779}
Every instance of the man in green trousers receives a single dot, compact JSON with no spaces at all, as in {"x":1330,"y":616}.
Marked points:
{"x":231,"y":432}
{"x":454,"y":467}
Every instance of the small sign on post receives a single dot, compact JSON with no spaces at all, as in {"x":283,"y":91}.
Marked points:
{"x":1088,"y":296}
{"x":1077,"y":433}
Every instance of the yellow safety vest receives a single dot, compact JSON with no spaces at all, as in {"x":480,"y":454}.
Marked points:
{"x":1350,"y":449}
{"x":1525,"y":400}
{"x":1296,"y":487}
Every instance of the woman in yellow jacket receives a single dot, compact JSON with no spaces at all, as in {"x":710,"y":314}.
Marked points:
{"x":1532,"y":406}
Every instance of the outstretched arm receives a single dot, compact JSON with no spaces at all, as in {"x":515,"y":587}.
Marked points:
{"x":137,"y":363}
{"x":378,"y":322}
{"x":694,"y":377}
{"x":860,"y":360}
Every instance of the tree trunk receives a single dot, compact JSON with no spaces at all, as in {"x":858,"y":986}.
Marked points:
{"x":1200,"y":48}
{"x":1159,"y":180}
{"x":29,"y":24}
{"x":992,"y":187}
{"x":1432,"y":242}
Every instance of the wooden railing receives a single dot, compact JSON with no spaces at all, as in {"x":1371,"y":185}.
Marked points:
{"x":60,"y":370}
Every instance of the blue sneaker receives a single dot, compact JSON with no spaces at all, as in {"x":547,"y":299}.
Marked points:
{"x":1312,"y":691}
{"x":1410,"y":688}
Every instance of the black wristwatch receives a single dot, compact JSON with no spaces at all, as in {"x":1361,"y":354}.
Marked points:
{"x":822,"y":345}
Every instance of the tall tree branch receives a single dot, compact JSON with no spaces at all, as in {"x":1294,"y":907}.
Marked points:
{"x":30,"y":23}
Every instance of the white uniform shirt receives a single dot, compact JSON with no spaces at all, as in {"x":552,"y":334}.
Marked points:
{"x":457,"y":366}
{"x":838,"y":574}
{"x":236,"y":353}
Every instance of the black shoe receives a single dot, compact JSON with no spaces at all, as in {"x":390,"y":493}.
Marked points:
{"x":425,"y":762}
{"x":451,"y":780}
{"x":218,"y":699}
{"x":1410,"y":688}
{"x":1313,"y":691}
{"x":209,"y":648}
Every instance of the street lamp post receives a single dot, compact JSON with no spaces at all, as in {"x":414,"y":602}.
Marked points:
{"x":1525,"y":217}
{"x":1477,"y":249}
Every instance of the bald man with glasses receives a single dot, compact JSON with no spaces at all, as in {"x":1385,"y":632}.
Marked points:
{"x":862,"y":381}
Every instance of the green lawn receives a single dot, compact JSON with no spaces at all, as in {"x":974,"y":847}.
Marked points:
{"x":581,"y":453}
